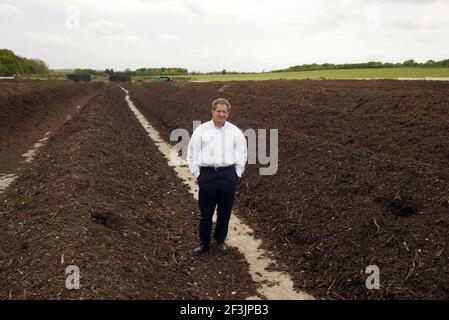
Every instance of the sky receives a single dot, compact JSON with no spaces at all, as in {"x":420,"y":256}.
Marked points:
{"x":236,"y":35}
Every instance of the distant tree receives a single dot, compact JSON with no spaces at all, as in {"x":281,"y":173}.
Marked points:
{"x":160,"y":71}
{"x":374,"y":64}
{"x":12,"y":64}
{"x":38,"y":66}
{"x":84,"y":71}
{"x":223,"y":71}
{"x":429,"y":63}
{"x":3,"y":70}
{"x":371,"y":64}
{"x":409,"y":63}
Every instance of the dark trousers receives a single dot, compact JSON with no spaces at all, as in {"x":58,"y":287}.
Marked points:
{"x":217,"y":190}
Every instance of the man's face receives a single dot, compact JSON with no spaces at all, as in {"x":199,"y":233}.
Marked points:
{"x":220,"y":115}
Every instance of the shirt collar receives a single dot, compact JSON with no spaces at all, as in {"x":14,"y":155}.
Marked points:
{"x":214,"y":126}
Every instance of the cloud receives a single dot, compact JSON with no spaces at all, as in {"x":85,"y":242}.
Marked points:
{"x":206,"y":35}
{"x":111,"y":30}
{"x":194,"y":7}
{"x":48,"y":40}
{"x":419,"y":2}
{"x":9,"y":11}
{"x":170,"y":37}
{"x":190,"y":5}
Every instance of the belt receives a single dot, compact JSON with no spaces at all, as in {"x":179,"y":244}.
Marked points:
{"x":218,"y":168}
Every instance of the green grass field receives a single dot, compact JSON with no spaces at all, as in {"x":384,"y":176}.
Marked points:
{"x":327,"y":74}
{"x":332,"y":74}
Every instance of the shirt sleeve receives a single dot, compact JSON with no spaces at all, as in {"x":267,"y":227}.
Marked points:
{"x":240,"y":152}
{"x":193,"y":152}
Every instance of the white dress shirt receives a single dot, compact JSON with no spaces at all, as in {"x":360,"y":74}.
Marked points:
{"x":211,"y":146}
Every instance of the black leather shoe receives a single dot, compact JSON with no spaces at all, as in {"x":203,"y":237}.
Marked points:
{"x":202,"y":248}
{"x":222,"y":248}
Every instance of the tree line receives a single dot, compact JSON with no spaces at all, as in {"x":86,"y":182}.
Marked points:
{"x":11,"y":64}
{"x":137,"y":72}
{"x":368,"y":65}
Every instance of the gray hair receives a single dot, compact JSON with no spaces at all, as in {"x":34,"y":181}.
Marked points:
{"x":223,"y":101}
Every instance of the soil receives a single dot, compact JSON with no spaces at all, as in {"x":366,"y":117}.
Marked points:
{"x":363,"y":180}
{"x":100,"y":196}
{"x":362,"y":177}
{"x":30,"y":109}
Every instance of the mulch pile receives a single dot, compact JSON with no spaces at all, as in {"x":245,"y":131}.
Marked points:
{"x":100,"y":196}
{"x":362,"y":177}
{"x":30,"y":108}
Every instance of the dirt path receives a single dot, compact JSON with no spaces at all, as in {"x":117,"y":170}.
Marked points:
{"x":9,"y":178}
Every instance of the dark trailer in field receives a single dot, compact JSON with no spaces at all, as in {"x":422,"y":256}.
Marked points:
{"x":119,"y":78}
{"x":160,"y":79}
{"x":79,"y":77}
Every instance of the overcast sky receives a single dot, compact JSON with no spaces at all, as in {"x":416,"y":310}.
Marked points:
{"x":208,"y":35}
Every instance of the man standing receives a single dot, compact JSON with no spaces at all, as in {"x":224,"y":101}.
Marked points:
{"x":216,"y":156}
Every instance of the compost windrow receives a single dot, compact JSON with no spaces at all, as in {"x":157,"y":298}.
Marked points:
{"x":362,"y":177}
{"x":99,"y":196}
